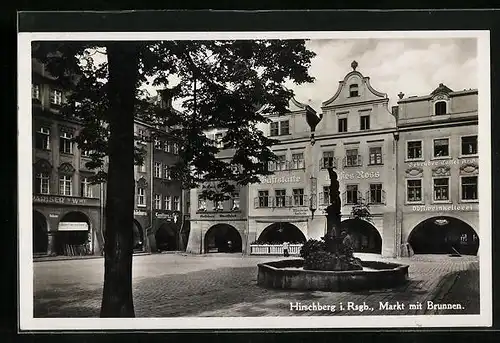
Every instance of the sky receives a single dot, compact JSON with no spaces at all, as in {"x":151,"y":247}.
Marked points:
{"x":414,"y":66}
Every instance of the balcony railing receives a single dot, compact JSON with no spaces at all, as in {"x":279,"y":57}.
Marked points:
{"x":328,"y":162}
{"x":274,"y":249}
{"x":285,"y":201}
{"x":352,"y":161}
{"x":375,"y":199}
{"x":286,"y":165}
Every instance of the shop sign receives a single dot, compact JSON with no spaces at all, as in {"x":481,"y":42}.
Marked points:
{"x":160,"y":215}
{"x":50,"y":199}
{"x":358,"y":175}
{"x":73,"y":226}
{"x":446,"y":162}
{"x":218,"y":215}
{"x":281,"y":179}
{"x":441,"y":208}
{"x":53,"y":215}
{"x":140,"y":213}
{"x":300,"y":211}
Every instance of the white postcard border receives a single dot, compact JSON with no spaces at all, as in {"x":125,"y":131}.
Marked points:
{"x":25,"y":268}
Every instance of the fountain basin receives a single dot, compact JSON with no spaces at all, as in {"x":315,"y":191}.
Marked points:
{"x":287,"y":274}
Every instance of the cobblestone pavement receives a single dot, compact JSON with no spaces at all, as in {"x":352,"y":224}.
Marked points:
{"x":172,"y":285}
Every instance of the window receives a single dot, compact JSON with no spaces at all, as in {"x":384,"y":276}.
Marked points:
{"x":141,"y":196}
{"x":86,"y":188}
{"x":326,"y":195}
{"x":376,"y":193}
{"x":55,"y":97}
{"x":298,"y":197}
{"x":275,"y":128}
{"x":176,"y":148}
{"x":218,"y":205}
{"x":365,"y":122}
{"x":284,"y":127}
{"x":414,"y":190}
{"x":469,"y":145}
{"x":235,"y":202}
{"x":280,"y":163}
{"x":352,"y":194}
{"x":167,"y":172}
{"x":157,"y":170}
{"x":263,"y":198}
{"x":168,"y":202}
{"x":353,"y":90}
{"x":42,"y":138}
{"x":352,"y":158}
{"x":441,"y":189}
{"x":42,"y":183}
{"x":280,"y":197}
{"x":440,"y":108}
{"x":65,"y":185}
{"x":218,"y":141}
{"x":65,"y":143}
{"x":157,"y":144}
{"x":298,"y":160}
{"x":202,"y":204}
{"x":157,"y":202}
{"x":141,"y":136}
{"x":35,"y":91}
{"x":328,"y":159}
{"x":469,"y":188}
{"x":414,"y":150}
{"x":441,"y":147}
{"x":177,"y":203}
{"x":342,"y":124}
{"x":376,"y":155}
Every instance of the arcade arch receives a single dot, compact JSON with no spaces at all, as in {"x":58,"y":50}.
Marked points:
{"x":223,"y":238}
{"x":365,"y":236}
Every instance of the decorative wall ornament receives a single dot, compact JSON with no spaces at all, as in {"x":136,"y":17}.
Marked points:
{"x":469,"y":168}
{"x":441,"y":222}
{"x":441,"y":171}
{"x":414,"y":172}
{"x":66,"y":168}
{"x":43,"y":166}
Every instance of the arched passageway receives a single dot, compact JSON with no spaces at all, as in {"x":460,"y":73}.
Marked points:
{"x":73,"y":235}
{"x":277,"y":233}
{"x":40,"y":237}
{"x":365,"y":237}
{"x":223,"y":238}
{"x":138,"y":237}
{"x":167,"y":237}
{"x":444,"y":235}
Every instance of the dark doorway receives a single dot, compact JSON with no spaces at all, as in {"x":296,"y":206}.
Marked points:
{"x":444,"y":235}
{"x":365,"y":236}
{"x":138,"y":237}
{"x":73,"y":235}
{"x":40,"y":238}
{"x":223,"y":238}
{"x":278,"y":233}
{"x":166,"y":237}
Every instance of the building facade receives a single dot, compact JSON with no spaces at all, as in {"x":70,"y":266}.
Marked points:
{"x":438,"y":170}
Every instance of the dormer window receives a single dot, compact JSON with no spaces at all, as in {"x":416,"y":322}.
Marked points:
{"x":440,"y":108}
{"x":353,"y":90}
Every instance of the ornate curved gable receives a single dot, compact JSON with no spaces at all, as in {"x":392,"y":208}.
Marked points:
{"x":355,"y":78}
{"x":441,"y":93}
{"x":42,"y":166}
{"x":142,"y":182}
{"x":66,"y":168}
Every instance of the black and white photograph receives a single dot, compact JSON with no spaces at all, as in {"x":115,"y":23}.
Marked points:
{"x":243,"y":180}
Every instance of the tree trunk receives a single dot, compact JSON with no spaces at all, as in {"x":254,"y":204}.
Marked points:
{"x":117,"y":300}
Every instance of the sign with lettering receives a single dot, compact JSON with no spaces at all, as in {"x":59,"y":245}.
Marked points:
{"x":73,"y":226}
{"x":140,"y":213}
{"x":163,"y":215}
{"x":358,"y":175}
{"x":281,"y":179}
{"x":53,"y":215}
{"x":441,"y":208}
{"x":65,"y":200}
{"x":446,"y":162}
{"x":219,"y":215}
{"x":300,"y":211}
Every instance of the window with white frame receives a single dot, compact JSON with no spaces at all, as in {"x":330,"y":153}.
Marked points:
{"x":441,"y":147}
{"x":284,"y":127}
{"x":167,"y":172}
{"x":168,"y":202}
{"x":235,"y":199}
{"x":55,"y":97}
{"x":177,"y":203}
{"x":263,"y":198}
{"x":275,"y":128}
{"x":280,"y":197}
{"x":328,"y":159}
{"x":65,"y":185}
{"x":157,"y":202}
{"x":298,"y":160}
{"x":298,"y":196}
{"x":66,"y":143}
{"x":376,"y":193}
{"x":157,"y":169}
{"x":469,"y":187}
{"x":42,"y":138}
{"x":176,"y":148}
{"x":414,"y":150}
{"x":86,"y":188}
{"x":35,"y":91}
{"x":414,"y":190}
{"x":351,"y":194}
{"x":280,"y":163}
{"x":375,"y":155}
{"x":469,"y":145}
{"x":157,"y":144}
{"x":326,"y":195}
{"x":42,"y":181}
{"x":441,"y":189}
{"x":352,"y":158}
{"x":141,"y":197}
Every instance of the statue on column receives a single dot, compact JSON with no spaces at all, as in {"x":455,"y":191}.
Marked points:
{"x":333,"y":213}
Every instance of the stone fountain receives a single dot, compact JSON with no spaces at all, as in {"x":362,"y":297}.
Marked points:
{"x":329,"y":264}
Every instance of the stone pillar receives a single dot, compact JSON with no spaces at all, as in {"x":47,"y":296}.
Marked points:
{"x":51,"y":243}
